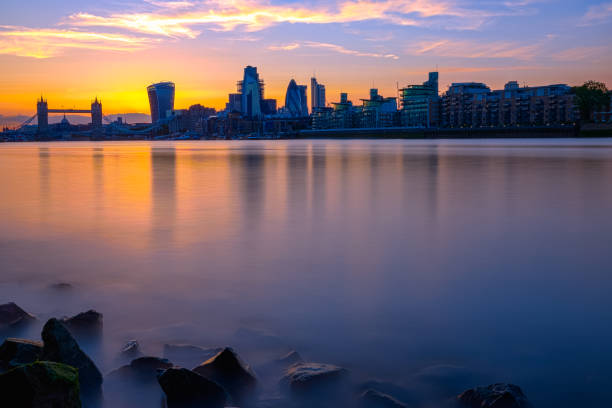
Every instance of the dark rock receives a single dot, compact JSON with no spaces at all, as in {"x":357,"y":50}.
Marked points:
{"x":227,"y":369}
{"x":375,"y":399}
{"x":494,"y":396}
{"x":289,"y":359}
{"x":186,"y":389}
{"x":89,"y":322}
{"x":135,"y":384}
{"x":15,"y":352}
{"x":306,"y":380}
{"x":42,"y":384}
{"x":185,"y":355}
{"x":406,"y":395}
{"x":142,"y":369}
{"x":61,"y":347}
{"x":131,"y":350}
{"x":63,"y":286}
{"x":12,"y":315}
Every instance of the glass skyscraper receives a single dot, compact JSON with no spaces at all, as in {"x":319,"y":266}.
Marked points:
{"x":295,"y":100}
{"x":161,"y":100}
{"x":252,"y":90}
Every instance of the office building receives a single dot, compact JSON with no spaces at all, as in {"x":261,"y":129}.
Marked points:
{"x":252,"y":90}
{"x":420,"y":104}
{"x":317,"y":94}
{"x":235,"y":103}
{"x":296,"y":104}
{"x":161,"y":100}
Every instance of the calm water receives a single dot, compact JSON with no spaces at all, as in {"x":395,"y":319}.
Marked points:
{"x":437,"y":265}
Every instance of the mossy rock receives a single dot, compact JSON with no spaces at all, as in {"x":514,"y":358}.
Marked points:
{"x":42,"y":384}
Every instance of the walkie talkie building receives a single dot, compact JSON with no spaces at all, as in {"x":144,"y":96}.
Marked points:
{"x":161,"y":100}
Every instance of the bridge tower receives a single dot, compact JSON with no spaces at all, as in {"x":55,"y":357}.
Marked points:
{"x":42,"y":111}
{"x":96,"y":114}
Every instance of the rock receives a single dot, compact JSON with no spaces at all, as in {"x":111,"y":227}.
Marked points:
{"x":63,"y":286}
{"x":89,"y":322}
{"x":305,"y":380}
{"x":131,"y":350}
{"x":289,"y":359}
{"x":61,"y":347}
{"x":186,"y":389}
{"x":494,"y":396}
{"x":42,"y":384}
{"x":15,"y":352}
{"x":406,"y":395}
{"x":375,"y":399}
{"x":12,"y":315}
{"x":188,"y":356}
{"x":135,"y":384}
{"x":142,"y":369}
{"x":227,"y":369}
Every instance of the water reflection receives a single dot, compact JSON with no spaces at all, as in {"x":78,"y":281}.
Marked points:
{"x":391,"y":257}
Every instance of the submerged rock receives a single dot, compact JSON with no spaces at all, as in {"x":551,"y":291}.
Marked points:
{"x":60,"y":286}
{"x":315,"y":381}
{"x":186,"y":389}
{"x":189,"y":356}
{"x":228,"y":370}
{"x":290,"y":358}
{"x":375,"y":399}
{"x":12,"y":315}
{"x":142,"y":369}
{"x":42,"y":384}
{"x":89,"y":322}
{"x":494,"y":396}
{"x":61,"y":347}
{"x":131,"y":350}
{"x":135,"y":384}
{"x":15,"y":352}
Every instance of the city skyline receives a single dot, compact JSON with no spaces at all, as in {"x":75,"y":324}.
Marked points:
{"x":71,"y":52}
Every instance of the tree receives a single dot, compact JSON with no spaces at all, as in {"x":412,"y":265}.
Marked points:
{"x":591,"y":97}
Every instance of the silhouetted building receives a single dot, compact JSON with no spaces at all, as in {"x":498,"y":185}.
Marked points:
{"x":378,"y":111}
{"x":161,"y":100}
{"x":96,"y":114}
{"x":42,"y":112}
{"x":235,"y":103}
{"x":269,"y":106}
{"x":296,"y":104}
{"x":252,"y":90}
{"x":475,"y":105}
{"x":317,"y":94}
{"x":421,"y":104}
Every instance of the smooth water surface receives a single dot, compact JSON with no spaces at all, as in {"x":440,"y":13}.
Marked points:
{"x":437,"y":265}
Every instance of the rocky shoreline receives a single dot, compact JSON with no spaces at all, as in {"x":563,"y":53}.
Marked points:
{"x":56,"y":372}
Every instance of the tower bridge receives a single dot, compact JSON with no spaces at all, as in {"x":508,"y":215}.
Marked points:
{"x":42,"y":112}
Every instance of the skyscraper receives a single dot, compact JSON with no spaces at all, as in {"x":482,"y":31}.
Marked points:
{"x":317,"y":94}
{"x":96,"y":114}
{"x":161,"y":100}
{"x":295,"y":100}
{"x":252,"y":90}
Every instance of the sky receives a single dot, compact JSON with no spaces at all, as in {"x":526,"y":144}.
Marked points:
{"x":73,"y":51}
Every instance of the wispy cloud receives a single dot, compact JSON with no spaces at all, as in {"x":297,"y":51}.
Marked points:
{"x":473,"y":49}
{"x":597,"y":14}
{"x":331,"y":47}
{"x":582,"y":53}
{"x":49,"y":42}
{"x":186,"y":19}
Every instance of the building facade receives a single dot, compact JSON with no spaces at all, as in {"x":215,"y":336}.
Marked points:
{"x":161,"y":100}
{"x":251,"y":89}
{"x":317,"y":94}
{"x":475,"y":105}
{"x":96,"y":114}
{"x":420,"y":104}
{"x":296,"y":104}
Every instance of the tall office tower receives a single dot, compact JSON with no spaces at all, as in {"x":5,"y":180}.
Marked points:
{"x":252,"y":90}
{"x":317,"y":94}
{"x":432,"y":82}
{"x":235,"y":103}
{"x":96,"y":114}
{"x":42,"y":112}
{"x":161,"y":100}
{"x":295,"y":100}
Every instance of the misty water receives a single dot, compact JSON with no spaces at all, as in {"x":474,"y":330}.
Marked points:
{"x":434,"y":265}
